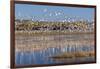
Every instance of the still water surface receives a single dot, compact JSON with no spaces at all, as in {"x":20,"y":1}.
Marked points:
{"x":43,"y":56}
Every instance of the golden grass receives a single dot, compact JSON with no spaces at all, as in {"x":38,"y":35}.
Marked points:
{"x":74,"y":55}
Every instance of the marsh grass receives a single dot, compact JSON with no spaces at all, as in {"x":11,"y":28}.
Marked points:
{"x":74,"y":55}
{"x":33,"y":33}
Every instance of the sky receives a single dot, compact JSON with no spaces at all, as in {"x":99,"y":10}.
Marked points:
{"x":53,"y":13}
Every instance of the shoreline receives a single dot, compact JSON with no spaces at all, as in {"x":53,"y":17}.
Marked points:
{"x":36,"y":33}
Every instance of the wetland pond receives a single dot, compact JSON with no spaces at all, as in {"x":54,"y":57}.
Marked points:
{"x":34,"y":50}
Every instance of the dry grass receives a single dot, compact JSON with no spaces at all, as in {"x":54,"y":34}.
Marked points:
{"x":74,"y":55}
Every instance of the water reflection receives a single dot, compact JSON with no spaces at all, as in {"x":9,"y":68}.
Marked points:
{"x":57,"y":45}
{"x":41,"y":57}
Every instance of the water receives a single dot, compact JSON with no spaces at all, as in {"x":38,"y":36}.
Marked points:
{"x":51,"y":46}
{"x":41,"y":57}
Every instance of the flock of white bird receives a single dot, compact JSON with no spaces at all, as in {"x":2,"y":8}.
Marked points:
{"x":54,"y":16}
